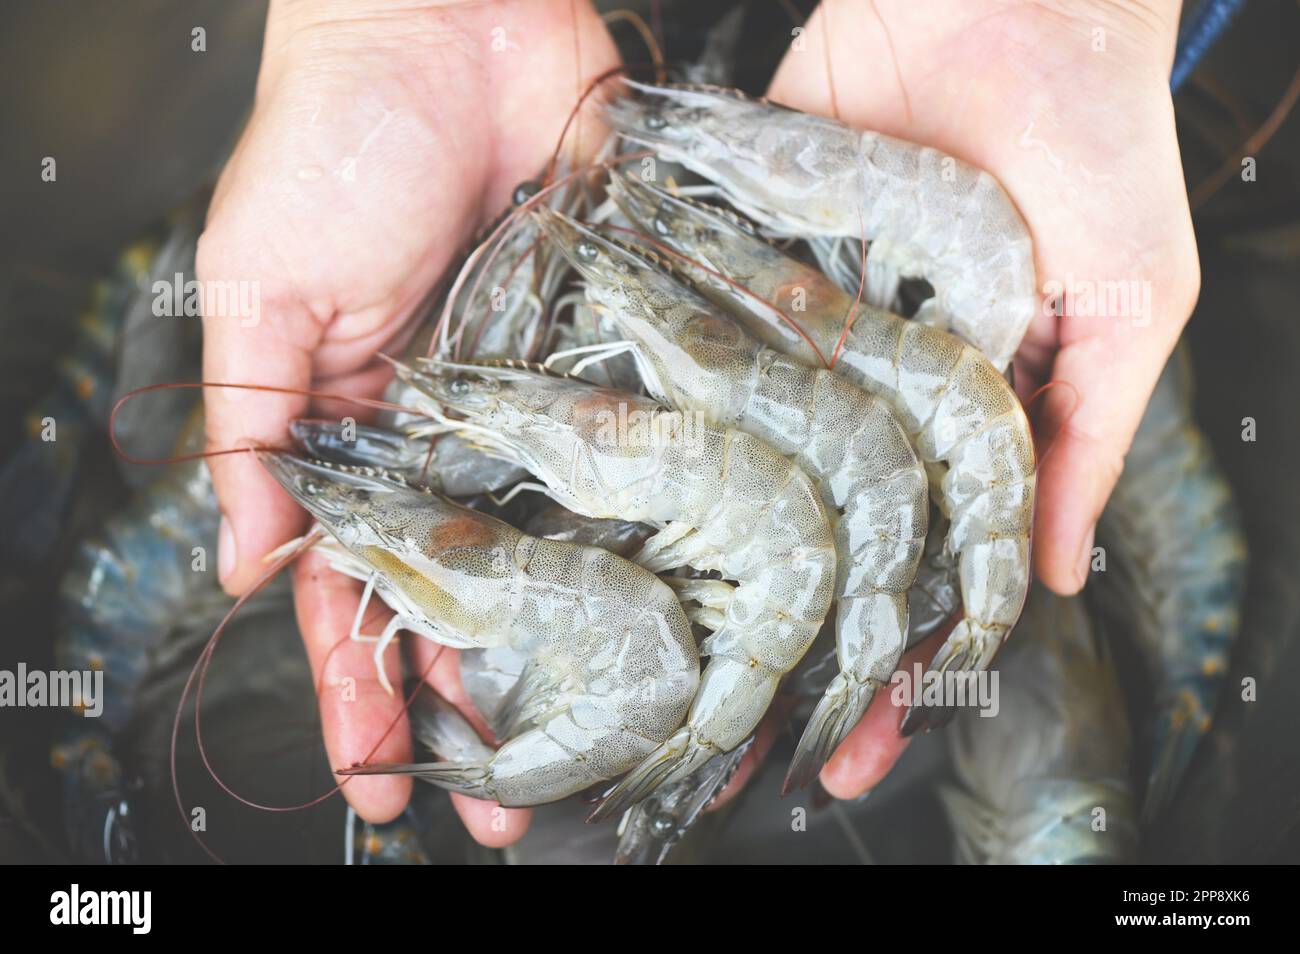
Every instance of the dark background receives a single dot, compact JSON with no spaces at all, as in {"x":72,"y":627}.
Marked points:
{"x":138,"y":123}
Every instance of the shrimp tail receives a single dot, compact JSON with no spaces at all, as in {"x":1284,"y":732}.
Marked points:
{"x":840,"y":709}
{"x":468,"y":778}
{"x":675,"y":759}
{"x":1177,"y":730}
{"x":968,"y":651}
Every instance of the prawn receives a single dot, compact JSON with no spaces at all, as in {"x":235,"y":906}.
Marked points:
{"x":725,"y":501}
{"x":927,"y":215}
{"x":1035,"y":779}
{"x":1178,"y":574}
{"x":612,"y":662}
{"x":963,"y":418}
{"x":696,"y":358}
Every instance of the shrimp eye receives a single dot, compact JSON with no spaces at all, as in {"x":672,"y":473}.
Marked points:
{"x":525,"y":191}
{"x":587,"y":251}
{"x":663,"y":223}
{"x":655,"y":121}
{"x":459,"y":386}
{"x":662,"y":824}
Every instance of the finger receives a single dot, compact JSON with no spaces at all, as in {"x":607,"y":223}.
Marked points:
{"x":360,"y":722}
{"x":488,"y":822}
{"x":1086,"y":427}
{"x":369,"y":382}
{"x":874,"y":745}
{"x":257,"y":515}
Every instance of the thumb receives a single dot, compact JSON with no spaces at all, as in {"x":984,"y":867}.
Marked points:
{"x":271,"y":346}
{"x":1087,"y":425}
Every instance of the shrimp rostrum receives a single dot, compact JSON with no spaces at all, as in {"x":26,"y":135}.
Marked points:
{"x":696,"y":358}
{"x":962,"y":416}
{"x":612,"y":664}
{"x":725,"y":501}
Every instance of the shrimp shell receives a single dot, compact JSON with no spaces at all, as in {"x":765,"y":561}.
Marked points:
{"x":926,"y":214}
{"x":726,"y":500}
{"x":698,"y":359}
{"x":612,"y":662}
{"x":962,"y":416}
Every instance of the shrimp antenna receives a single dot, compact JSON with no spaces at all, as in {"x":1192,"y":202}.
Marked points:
{"x":199,"y":672}
{"x":204,"y":455}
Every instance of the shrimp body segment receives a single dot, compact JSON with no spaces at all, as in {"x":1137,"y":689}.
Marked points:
{"x":726,"y":502}
{"x":1177,"y":581}
{"x":698,"y":359}
{"x":612,"y":664}
{"x":927,"y":215}
{"x":962,"y":416}
{"x":1033,"y":780}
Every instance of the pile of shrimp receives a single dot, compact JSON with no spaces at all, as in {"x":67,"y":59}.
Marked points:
{"x":733,"y":443}
{"x":663,"y":421}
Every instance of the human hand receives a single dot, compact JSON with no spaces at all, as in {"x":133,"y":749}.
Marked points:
{"x":383,"y":136}
{"x":1068,"y":105}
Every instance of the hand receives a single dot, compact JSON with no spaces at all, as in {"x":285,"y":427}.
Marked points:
{"x":384,"y":135}
{"x":1067,"y":103}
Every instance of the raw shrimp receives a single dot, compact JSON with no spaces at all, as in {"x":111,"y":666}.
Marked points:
{"x":1176,"y":575}
{"x":963,"y":418}
{"x":439,"y":727}
{"x":726,"y":502}
{"x":488,"y":675}
{"x":612,"y":663}
{"x":698,"y":359}
{"x":1046,"y":779}
{"x":124,"y":592}
{"x":927,"y":215}
{"x":495,"y":308}
{"x":653,"y":827}
{"x":449,"y":465}
{"x":623,"y":537}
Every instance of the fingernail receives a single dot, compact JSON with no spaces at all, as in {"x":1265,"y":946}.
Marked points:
{"x":1085,"y":556}
{"x":226,"y":556}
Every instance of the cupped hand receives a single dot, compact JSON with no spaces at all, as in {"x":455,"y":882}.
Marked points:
{"x":383,"y":136}
{"x":1067,"y":103}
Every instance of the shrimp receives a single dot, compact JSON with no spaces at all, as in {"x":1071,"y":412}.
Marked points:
{"x":439,"y":727}
{"x":726,"y":501}
{"x":495,"y":308}
{"x":698,"y":359}
{"x":612,"y":662}
{"x":617,"y":536}
{"x":963,"y":418}
{"x":927,"y":215}
{"x":449,"y":465}
{"x":122,"y":595}
{"x":1177,"y":576}
{"x":653,"y":827}
{"x":1037,"y":778}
